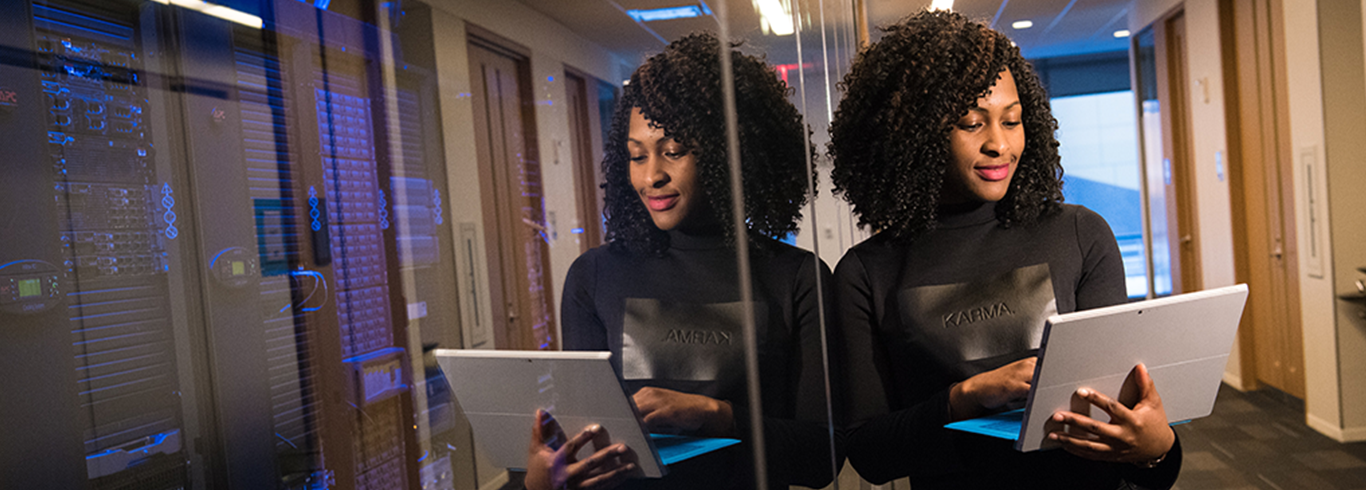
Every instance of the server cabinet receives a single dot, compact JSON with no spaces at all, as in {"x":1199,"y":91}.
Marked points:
{"x":92,"y":379}
{"x":225,"y":251}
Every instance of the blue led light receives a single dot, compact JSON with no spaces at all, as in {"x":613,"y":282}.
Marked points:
{"x":576,"y":231}
{"x":313,"y":211}
{"x":669,"y":13}
{"x":436,"y":207}
{"x":168,"y":202}
{"x":383,"y":211}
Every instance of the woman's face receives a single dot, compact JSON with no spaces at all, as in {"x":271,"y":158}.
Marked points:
{"x":664,"y":174}
{"x":986,"y":145}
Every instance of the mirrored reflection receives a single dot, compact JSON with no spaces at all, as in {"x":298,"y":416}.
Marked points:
{"x":248,"y":227}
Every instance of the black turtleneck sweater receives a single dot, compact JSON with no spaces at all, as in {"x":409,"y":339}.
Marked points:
{"x":674,"y":321}
{"x":967,"y":297}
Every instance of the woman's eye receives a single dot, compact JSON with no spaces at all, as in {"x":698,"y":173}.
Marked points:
{"x":969,"y":127}
{"x":1011,"y":124}
{"x":637,"y":158}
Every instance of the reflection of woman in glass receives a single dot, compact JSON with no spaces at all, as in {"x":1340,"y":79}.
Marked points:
{"x":944,"y":143}
{"x":663,"y":295}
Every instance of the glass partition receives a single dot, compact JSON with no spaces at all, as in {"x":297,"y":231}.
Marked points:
{"x":239,"y":232}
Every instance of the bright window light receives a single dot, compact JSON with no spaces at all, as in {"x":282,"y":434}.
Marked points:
{"x":219,"y":11}
{"x":1022,"y":24}
{"x":775,"y":17}
{"x":941,"y":5}
{"x":1122,"y":33}
{"x":669,"y":13}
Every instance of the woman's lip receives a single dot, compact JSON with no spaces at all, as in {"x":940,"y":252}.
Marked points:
{"x":662,"y":203}
{"x":993,"y":173}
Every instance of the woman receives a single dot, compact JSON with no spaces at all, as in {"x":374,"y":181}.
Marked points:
{"x":944,"y":143}
{"x":663,"y":294}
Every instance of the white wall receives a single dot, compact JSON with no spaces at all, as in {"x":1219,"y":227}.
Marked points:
{"x":1304,"y":81}
{"x":1341,"y":38}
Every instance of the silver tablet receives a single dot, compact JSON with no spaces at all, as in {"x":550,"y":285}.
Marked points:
{"x":500,"y":392}
{"x":1184,"y":341}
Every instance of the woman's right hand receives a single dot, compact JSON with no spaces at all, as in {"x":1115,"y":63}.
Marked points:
{"x":553,"y":464}
{"x":987,"y":392}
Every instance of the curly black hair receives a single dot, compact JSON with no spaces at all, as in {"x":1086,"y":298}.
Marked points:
{"x":890,"y":137}
{"x":679,"y":91}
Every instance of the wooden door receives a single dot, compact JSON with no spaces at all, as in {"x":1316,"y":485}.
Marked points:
{"x":587,"y":177}
{"x":513,"y":203}
{"x":1260,"y":166}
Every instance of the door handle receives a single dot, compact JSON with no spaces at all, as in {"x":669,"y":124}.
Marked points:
{"x":512,"y":313}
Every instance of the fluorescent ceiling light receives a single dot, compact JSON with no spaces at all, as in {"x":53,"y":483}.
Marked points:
{"x":941,"y":5}
{"x":775,"y":16}
{"x":1023,"y":24}
{"x":1122,"y":33}
{"x":668,"y":13}
{"x":219,"y":11}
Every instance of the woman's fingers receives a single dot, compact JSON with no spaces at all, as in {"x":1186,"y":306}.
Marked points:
{"x":598,"y":462}
{"x":1086,"y":448}
{"x":1146,"y":388}
{"x":609,"y":479}
{"x":1075,"y":422}
{"x":572,"y":447}
{"x":546,"y":432}
{"x":1118,"y":412}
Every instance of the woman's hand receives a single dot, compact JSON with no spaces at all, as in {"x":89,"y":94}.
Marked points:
{"x":671,"y":412}
{"x":1133,"y":435}
{"x":552,"y":462}
{"x":990,"y":391}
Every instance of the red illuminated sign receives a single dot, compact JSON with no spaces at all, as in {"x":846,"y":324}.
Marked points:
{"x":8,"y":98}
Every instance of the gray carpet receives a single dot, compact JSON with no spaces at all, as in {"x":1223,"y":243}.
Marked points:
{"x":1258,"y":440}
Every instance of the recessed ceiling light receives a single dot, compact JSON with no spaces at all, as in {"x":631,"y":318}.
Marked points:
{"x":941,"y":5}
{"x":1022,"y":24}
{"x":1122,"y":33}
{"x":669,"y":13}
{"x":219,"y":11}
{"x":774,"y":17}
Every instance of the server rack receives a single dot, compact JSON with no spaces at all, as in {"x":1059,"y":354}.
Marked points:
{"x":228,"y":235}
{"x":89,"y":265}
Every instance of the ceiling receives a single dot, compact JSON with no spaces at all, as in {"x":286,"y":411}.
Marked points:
{"x":1061,"y":27}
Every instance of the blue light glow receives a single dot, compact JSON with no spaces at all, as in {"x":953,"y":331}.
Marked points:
{"x":669,"y":13}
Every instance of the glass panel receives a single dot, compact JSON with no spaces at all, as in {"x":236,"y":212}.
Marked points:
{"x":1101,"y":158}
{"x":1157,"y":167}
{"x":249,"y":226}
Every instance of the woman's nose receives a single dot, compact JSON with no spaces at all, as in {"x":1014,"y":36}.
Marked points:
{"x":996,"y":143}
{"x":655,"y":175}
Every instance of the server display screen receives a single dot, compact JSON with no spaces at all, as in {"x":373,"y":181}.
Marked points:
{"x":30,"y":288}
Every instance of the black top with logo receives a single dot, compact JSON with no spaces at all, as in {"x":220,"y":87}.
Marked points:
{"x":968,"y":297}
{"x":674,"y":321}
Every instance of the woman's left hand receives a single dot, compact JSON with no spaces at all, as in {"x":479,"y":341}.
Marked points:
{"x":1133,"y":435}
{"x":672,"y":412}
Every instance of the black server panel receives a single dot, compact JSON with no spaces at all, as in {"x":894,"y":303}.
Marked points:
{"x":109,"y":218}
